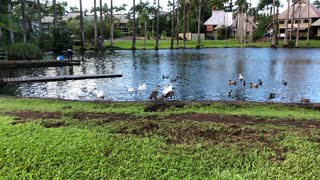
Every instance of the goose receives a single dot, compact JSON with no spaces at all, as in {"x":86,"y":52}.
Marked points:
{"x":304,"y":100}
{"x":253,"y":85}
{"x":272,"y":95}
{"x":259,"y":82}
{"x":232,"y":82}
{"x":166,"y":89}
{"x":240,"y":77}
{"x":100,"y":94}
{"x":169,"y":94}
{"x":142,"y":87}
{"x":229,"y":93}
{"x":154,"y":93}
{"x":130,"y":89}
{"x":284,"y":82}
{"x":244,"y":83}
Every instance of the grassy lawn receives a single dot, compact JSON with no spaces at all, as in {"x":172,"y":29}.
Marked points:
{"x":165,"y":44}
{"x":55,"y":139}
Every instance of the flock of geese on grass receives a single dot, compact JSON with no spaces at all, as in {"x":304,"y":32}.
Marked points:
{"x":272,"y":95}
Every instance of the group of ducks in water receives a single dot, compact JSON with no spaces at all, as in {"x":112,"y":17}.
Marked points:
{"x":91,"y":92}
{"x":168,"y":89}
{"x":272,"y":95}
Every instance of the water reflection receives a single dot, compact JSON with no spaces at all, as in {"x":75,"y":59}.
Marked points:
{"x":203,"y":75}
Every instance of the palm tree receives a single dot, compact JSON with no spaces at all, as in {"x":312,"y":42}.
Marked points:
{"x":10,"y":28}
{"x":308,"y":33}
{"x":95,"y":24}
{"x":273,"y":44}
{"x":172,"y":25}
{"x":298,"y":28}
{"x":81,"y":26}
{"x":144,"y":19}
{"x":134,"y":27}
{"x":157,"y":28}
{"x":39,"y":17}
{"x":199,"y":20}
{"x":24,"y":28}
{"x":111,"y":23}
{"x":184,"y":22}
{"x":285,"y":41}
{"x":177,"y":28}
{"x":54,"y":13}
{"x":101,"y":26}
{"x":292,"y":18}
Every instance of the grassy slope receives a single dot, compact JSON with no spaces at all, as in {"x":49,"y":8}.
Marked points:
{"x":81,"y":149}
{"x":165,"y":44}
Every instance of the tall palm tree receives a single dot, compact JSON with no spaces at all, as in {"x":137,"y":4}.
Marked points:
{"x":54,"y":14}
{"x":292,"y":17}
{"x":11,"y":29}
{"x":285,"y":40}
{"x":199,"y":20}
{"x":172,"y":25}
{"x":95,"y":24}
{"x":298,"y":28}
{"x":111,"y":23}
{"x":157,"y":28}
{"x":134,"y":27}
{"x":24,"y":27}
{"x":39,"y":17}
{"x":101,"y":26}
{"x":184,"y":23}
{"x":177,"y":27}
{"x":143,"y":18}
{"x":273,"y":44}
{"x":81,"y":26}
{"x":308,"y":33}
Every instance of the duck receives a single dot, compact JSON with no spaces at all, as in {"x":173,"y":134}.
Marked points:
{"x":232,"y":82}
{"x":167,"y":89}
{"x":165,"y":76}
{"x":100,"y":94}
{"x":259,"y":82}
{"x":272,"y":95}
{"x":142,"y":87}
{"x":304,"y":100}
{"x":169,"y":94}
{"x":229,"y":93}
{"x":154,"y":93}
{"x":244,"y":83}
{"x":130,"y":89}
{"x":253,"y":85}
{"x":240,"y":77}
{"x":284,"y":82}
{"x":173,"y":80}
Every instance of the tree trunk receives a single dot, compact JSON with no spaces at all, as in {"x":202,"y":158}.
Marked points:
{"x":81,"y":26}
{"x":184,"y":24}
{"x":199,"y":22}
{"x":177,"y":45}
{"x":273,"y":44}
{"x":101,"y":26}
{"x":145,"y":34}
{"x":24,"y":28}
{"x":172,"y":25}
{"x":111,"y":23}
{"x":95,"y":24}
{"x":157,"y":30}
{"x":292,"y":19}
{"x":298,"y":28}
{"x":308,"y":32}
{"x":11,"y":31}
{"x":134,"y":27}
{"x":54,"y":14}
{"x":39,"y":17}
{"x":285,"y":40}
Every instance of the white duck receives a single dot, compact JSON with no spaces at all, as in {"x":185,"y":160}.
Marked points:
{"x":167,"y":89}
{"x":100,"y":94}
{"x":240,"y":77}
{"x":130,"y":89}
{"x":142,"y":87}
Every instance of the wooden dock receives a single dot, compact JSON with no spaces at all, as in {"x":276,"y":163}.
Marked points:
{"x":37,"y":63}
{"x":4,"y":81}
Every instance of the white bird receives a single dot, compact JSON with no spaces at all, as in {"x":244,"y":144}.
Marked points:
{"x":130,"y":89}
{"x":81,"y":93}
{"x":167,"y":89}
{"x":142,"y":87}
{"x":92,"y":91}
{"x":100,"y":94}
{"x":240,"y":77}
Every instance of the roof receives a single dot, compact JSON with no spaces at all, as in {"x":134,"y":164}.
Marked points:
{"x":123,"y":18}
{"x":317,"y":23}
{"x":313,"y":12}
{"x":220,"y":18}
{"x":47,"y":19}
{"x":71,"y":15}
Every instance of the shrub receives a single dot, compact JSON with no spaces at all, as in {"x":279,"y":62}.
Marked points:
{"x":24,"y":51}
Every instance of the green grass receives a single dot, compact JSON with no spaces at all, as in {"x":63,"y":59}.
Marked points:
{"x":165,"y":44}
{"x":146,"y":148}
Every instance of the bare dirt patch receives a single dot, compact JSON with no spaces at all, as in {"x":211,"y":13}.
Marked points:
{"x":25,"y":115}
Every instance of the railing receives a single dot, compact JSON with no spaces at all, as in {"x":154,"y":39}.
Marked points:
{"x":3,"y":55}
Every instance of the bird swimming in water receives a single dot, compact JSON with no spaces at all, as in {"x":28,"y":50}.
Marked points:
{"x":154,"y":93}
{"x":169,"y":94}
{"x":272,"y":95}
{"x":240,"y":77}
{"x":100,"y":94}
{"x":253,"y":85}
{"x":229,"y":93}
{"x":244,"y":83}
{"x":284,"y":82}
{"x":142,"y":87}
{"x":260,"y":82}
{"x":165,"y":76}
{"x":130,"y":89}
{"x":232,"y":82}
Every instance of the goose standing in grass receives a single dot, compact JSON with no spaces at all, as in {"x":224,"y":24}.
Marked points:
{"x":304,"y":100}
{"x":154,"y":93}
{"x":232,"y":82}
{"x":142,"y":87}
{"x":240,"y":77}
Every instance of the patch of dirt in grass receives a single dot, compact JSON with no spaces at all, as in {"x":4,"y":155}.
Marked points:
{"x":25,"y":116}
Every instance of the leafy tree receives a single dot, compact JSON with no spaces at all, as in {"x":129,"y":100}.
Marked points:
{"x":60,"y":39}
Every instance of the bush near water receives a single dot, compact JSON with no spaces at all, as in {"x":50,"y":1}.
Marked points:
{"x":24,"y":51}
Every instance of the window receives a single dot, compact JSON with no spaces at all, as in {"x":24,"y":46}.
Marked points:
{"x":296,"y":21}
{"x":281,"y":22}
{"x":289,"y":22}
{"x":305,"y":21}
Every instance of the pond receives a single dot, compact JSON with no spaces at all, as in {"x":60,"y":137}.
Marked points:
{"x":200,"y":75}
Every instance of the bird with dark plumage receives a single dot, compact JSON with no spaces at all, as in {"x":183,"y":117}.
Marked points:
{"x":169,"y":94}
{"x":244,"y":83}
{"x":165,"y":76}
{"x":253,"y":85}
{"x":154,"y":93}
{"x":272,"y":95}
{"x":284,"y":82}
{"x":259,"y":82}
{"x":232,"y":82}
{"x":229,"y":93}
